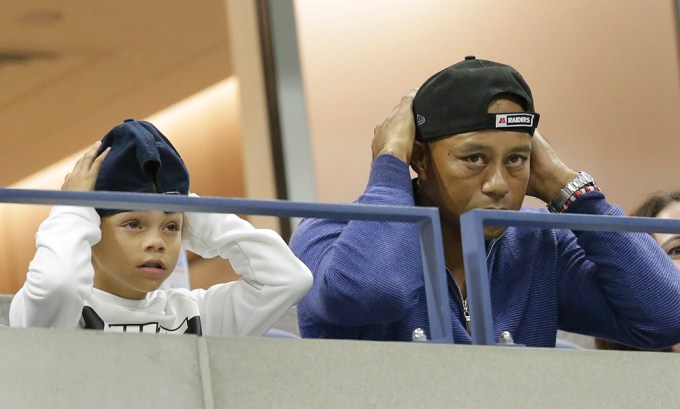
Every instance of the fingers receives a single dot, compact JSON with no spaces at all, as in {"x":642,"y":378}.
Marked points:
{"x":65,"y":184}
{"x":548,"y":173}
{"x":538,"y":136}
{"x":97,"y":163}
{"x":407,"y":100}
{"x":91,"y":155}
{"x":395,"y":134}
{"x":85,"y":161}
{"x":85,"y":171}
{"x":405,"y":104}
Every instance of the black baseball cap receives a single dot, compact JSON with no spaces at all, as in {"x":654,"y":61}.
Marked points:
{"x":141,"y":160}
{"x":456,"y":100}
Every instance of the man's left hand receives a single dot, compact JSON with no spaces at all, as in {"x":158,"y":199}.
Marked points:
{"x":548,"y":173}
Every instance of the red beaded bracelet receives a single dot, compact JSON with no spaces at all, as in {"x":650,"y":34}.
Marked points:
{"x":577,"y":194}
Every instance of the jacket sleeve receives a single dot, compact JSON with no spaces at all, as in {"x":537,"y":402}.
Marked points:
{"x":618,"y":286}
{"x":365,"y":272}
{"x":60,"y":275}
{"x":273,"y":279}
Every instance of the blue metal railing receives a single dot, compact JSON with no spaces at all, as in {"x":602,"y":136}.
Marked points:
{"x":426,"y":218}
{"x":474,"y":249}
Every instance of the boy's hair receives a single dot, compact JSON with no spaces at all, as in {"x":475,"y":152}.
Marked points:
{"x":141,"y":160}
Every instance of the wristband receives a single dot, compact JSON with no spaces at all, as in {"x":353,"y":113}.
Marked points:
{"x":566,"y":196}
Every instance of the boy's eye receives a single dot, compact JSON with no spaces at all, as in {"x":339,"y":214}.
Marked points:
{"x":173,"y":227}
{"x":132,"y":224}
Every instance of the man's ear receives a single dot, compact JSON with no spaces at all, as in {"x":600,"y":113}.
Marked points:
{"x":420,"y":159}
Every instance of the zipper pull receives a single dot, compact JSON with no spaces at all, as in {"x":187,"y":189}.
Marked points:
{"x":466,"y":313}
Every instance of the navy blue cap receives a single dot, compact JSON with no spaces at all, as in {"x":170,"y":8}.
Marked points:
{"x":141,"y":160}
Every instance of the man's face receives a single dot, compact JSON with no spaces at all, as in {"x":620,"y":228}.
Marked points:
{"x":486,"y":169}
{"x":137,"y":252}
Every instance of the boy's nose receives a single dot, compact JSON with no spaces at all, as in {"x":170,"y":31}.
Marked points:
{"x":154,"y":241}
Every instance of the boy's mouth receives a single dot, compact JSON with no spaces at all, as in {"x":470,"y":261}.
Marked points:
{"x":153,"y":264}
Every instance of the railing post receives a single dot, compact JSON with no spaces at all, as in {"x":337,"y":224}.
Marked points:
{"x":477,"y":278}
{"x":436,"y":291}
{"x":472,"y":225}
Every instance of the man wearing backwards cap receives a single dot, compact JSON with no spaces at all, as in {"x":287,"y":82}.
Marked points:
{"x":469,"y":133}
{"x":101,"y":268}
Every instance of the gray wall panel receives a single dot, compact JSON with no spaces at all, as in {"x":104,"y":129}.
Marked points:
{"x":54,"y":369}
{"x":353,"y":374}
{"x":88,"y":369}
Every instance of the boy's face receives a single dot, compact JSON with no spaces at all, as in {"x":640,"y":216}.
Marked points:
{"x":137,"y":252}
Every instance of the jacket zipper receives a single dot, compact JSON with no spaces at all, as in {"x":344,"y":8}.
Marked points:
{"x":463,"y":301}
{"x":464,"y":304}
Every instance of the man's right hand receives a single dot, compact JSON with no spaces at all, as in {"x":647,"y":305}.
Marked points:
{"x":396,"y":134}
{"x":84,"y":173}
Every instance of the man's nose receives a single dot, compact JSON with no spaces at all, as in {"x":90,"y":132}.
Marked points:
{"x":496,"y":182}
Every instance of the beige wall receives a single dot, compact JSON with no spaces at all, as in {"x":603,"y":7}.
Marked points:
{"x":604,"y":76}
{"x":204,"y":128}
{"x":221,"y":132}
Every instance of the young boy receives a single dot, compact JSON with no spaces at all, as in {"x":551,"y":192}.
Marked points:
{"x":101,"y":268}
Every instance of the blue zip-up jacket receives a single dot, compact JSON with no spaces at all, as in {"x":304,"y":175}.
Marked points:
{"x":368,"y":277}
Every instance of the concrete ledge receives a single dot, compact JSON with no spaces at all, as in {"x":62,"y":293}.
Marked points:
{"x":86,"y":369}
{"x":90,"y":369}
{"x":352,"y":374}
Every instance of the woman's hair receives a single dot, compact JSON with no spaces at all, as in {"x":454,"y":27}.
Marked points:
{"x":615,"y":346}
{"x":656,"y":203}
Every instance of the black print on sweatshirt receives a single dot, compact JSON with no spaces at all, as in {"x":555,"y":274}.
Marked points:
{"x":92,"y":320}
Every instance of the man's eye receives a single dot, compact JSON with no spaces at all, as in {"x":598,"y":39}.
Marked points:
{"x":474,"y":159}
{"x":516,"y":159}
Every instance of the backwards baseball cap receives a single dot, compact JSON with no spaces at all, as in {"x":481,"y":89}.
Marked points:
{"x":456,"y":100}
{"x":141,"y":160}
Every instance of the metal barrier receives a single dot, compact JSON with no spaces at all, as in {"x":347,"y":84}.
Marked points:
{"x":427,"y":219}
{"x":474,"y":249}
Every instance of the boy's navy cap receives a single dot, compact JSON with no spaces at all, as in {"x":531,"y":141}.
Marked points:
{"x":456,"y":100}
{"x":141,"y":160}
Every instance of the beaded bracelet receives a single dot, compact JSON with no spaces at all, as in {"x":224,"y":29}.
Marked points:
{"x":581,"y":180}
{"x":577,"y":194}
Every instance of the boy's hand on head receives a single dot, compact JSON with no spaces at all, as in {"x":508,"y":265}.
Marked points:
{"x":548,"y":173}
{"x":396,"y":134}
{"x":84,"y":173}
